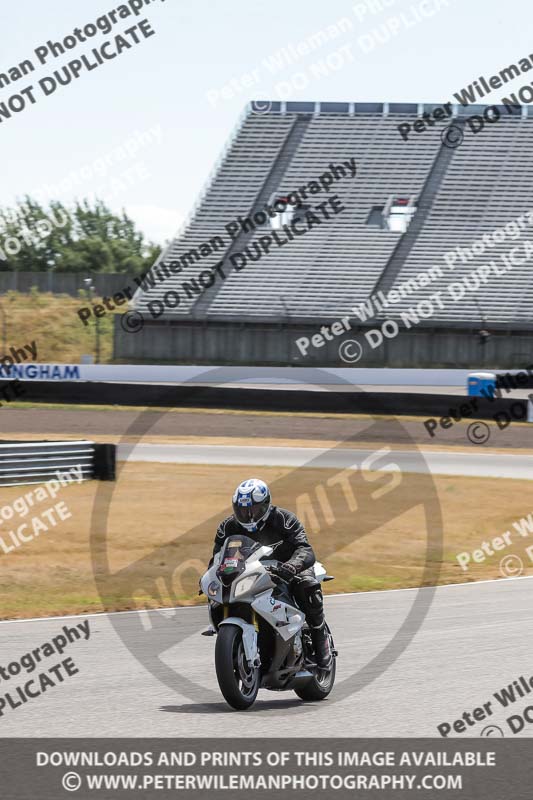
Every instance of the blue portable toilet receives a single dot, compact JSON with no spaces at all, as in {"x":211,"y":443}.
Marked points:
{"x":478,"y":381}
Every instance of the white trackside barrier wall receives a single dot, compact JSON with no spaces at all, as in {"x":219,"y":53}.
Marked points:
{"x":145,"y":373}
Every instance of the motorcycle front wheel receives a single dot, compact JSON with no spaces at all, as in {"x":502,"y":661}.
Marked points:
{"x":239,"y":683}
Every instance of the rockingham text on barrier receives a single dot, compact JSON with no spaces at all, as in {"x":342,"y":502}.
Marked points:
{"x":14,"y":389}
{"x":13,"y":367}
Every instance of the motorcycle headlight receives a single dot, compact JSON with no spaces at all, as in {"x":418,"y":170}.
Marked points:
{"x":245,"y":585}
{"x":212,"y":589}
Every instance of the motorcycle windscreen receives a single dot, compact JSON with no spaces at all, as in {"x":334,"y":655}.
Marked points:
{"x":235,"y":551}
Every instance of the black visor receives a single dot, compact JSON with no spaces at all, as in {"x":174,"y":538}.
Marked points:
{"x":251,"y":513}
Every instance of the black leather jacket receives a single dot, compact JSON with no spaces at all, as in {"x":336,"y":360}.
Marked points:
{"x":281,"y":525}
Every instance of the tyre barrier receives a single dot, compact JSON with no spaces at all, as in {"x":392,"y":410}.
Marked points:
{"x":28,"y":462}
{"x":186,"y":395}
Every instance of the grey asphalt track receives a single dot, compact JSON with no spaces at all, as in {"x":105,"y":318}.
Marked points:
{"x":475,"y":640}
{"x":481,"y":463}
{"x":403,"y":432}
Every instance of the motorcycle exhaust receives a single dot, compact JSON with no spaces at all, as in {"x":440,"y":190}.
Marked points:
{"x":303,"y":676}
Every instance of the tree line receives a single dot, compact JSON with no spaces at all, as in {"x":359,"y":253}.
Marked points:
{"x":87,"y":237}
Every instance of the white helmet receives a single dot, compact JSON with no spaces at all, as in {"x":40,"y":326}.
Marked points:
{"x":251,"y":504}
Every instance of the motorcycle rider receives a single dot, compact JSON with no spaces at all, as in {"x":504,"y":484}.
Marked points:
{"x":268,"y":524}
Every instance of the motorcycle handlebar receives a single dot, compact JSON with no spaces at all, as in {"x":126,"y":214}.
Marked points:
{"x":296,"y":578}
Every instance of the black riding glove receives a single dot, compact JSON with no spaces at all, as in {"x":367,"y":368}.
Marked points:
{"x":284,"y":571}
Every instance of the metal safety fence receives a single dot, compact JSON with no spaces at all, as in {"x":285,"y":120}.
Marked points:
{"x":26,"y":462}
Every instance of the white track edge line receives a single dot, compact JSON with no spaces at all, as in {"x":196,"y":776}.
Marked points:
{"x":327,"y":596}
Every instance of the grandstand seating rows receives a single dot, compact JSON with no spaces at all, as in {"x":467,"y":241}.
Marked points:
{"x":479,"y":186}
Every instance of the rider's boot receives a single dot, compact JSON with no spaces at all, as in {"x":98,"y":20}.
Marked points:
{"x":321,"y":645}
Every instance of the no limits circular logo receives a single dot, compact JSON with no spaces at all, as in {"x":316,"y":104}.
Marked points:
{"x":178,"y":575}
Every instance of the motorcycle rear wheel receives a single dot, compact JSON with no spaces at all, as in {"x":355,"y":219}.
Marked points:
{"x":322,"y":682}
{"x":239,"y":683}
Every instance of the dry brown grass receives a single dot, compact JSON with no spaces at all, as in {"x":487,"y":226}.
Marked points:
{"x":163,"y":517}
{"x":52,"y":321}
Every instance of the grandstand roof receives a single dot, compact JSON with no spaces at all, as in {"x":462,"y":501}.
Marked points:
{"x":460,"y":193}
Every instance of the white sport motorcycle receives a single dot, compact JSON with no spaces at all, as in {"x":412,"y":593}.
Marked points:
{"x":263,"y":640}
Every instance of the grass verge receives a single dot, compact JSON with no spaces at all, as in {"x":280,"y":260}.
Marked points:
{"x":51,"y":320}
{"x":163,"y":519}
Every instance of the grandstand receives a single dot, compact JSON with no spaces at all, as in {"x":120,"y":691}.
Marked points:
{"x":453,"y":197}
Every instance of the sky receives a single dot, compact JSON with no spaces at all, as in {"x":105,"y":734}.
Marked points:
{"x":144,"y":130}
